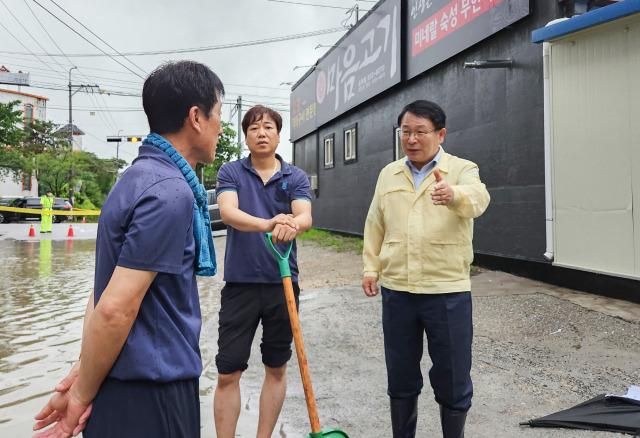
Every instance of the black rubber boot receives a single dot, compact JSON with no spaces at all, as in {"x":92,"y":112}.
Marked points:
{"x":404,"y":416}
{"x":452,"y":422}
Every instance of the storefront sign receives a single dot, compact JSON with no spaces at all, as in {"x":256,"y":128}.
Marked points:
{"x":365,"y":62}
{"x":303,"y":108}
{"x":440,"y":29}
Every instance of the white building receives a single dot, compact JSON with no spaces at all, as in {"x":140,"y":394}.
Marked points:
{"x":33,"y":107}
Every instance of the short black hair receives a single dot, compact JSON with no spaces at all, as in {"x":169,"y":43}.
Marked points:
{"x":257,"y":113}
{"x":426,"y":109}
{"x":172,"y":89}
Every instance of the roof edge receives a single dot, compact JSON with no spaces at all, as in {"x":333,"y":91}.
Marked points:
{"x":585,"y":21}
{"x":24,"y":94}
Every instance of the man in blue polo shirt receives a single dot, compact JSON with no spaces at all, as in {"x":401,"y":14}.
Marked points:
{"x":258,"y":194}
{"x":140,"y":361}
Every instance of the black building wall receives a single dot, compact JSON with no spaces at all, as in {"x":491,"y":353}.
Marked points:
{"x":494,"y":118}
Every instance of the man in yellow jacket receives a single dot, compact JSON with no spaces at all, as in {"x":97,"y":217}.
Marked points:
{"x":46,"y":218}
{"x":417,"y":243}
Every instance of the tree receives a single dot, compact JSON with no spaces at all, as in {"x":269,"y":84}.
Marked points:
{"x":42,"y":136}
{"x":46,"y":153}
{"x":97,"y":176}
{"x":226,"y":151}
{"x":11,"y":137}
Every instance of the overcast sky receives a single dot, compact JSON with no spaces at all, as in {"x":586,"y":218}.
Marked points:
{"x":256,"y":72}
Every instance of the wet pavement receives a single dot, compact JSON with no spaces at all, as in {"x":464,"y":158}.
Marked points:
{"x":45,"y":282}
{"x":61,"y":231}
{"x":537,"y":348}
{"x":44,"y":287}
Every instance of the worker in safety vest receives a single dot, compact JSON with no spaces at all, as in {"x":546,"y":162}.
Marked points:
{"x":47,"y":212}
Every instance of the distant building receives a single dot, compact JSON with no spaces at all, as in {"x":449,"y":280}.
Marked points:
{"x":33,"y":107}
{"x":77,"y":136}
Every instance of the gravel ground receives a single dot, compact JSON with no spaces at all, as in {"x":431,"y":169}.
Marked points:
{"x":534,"y":354}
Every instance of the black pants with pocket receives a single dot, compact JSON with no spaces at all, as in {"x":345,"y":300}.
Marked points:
{"x":243,"y":306}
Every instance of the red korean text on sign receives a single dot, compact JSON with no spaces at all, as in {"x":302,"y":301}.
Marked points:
{"x":444,"y":22}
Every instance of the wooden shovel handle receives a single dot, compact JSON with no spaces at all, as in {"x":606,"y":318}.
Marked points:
{"x":302,"y":357}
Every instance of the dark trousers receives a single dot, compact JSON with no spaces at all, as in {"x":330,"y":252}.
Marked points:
{"x":446,"y":320}
{"x":145,"y":409}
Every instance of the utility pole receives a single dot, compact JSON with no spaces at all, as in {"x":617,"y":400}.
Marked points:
{"x":79,"y":88}
{"x":239,"y":108}
{"x":117,"y":139}
{"x":118,"y":156}
{"x":71,"y":140}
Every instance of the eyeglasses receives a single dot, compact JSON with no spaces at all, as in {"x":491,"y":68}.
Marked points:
{"x":419,"y":135}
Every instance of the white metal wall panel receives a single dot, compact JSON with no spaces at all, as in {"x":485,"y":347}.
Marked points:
{"x":634,"y":126}
{"x":591,"y":134}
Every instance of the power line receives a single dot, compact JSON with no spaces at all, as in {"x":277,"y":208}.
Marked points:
{"x":200,"y":49}
{"x":79,"y":66}
{"x":33,"y":54}
{"x":92,"y":33}
{"x":91,"y":79}
{"x":61,"y":51}
{"x":108,"y":112}
{"x":258,"y":86}
{"x":45,"y":31}
{"x":262,"y":97}
{"x":81,"y":36}
{"x":56,"y":87}
{"x":29,"y":33}
{"x":85,"y":108}
{"x":310,"y":4}
{"x":107,"y":124}
{"x":273,"y":106}
{"x":139,"y":86}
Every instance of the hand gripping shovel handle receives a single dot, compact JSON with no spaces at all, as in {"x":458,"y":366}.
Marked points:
{"x":285,"y":272}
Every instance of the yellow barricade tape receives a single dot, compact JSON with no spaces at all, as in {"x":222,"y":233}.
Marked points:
{"x":75,"y":212}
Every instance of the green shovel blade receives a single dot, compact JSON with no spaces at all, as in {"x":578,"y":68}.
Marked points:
{"x":330,"y":433}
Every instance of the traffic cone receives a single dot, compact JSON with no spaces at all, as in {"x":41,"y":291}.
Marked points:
{"x":32,"y":232}
{"x":70,"y":233}
{"x":83,"y":221}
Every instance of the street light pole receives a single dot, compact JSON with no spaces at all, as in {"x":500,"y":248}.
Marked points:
{"x":239,"y":106}
{"x":71,"y":139}
{"x":118,"y":155}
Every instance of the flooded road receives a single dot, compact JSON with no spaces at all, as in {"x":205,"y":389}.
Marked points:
{"x":44,"y":288}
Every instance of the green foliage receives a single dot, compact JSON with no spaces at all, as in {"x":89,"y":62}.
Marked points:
{"x":96,"y":176}
{"x":46,"y":153}
{"x":85,"y":204}
{"x":338,"y":242}
{"x":42,"y":136}
{"x":227,"y":151}
{"x":52,"y":169}
{"x":11,"y":138}
{"x":10,"y":120}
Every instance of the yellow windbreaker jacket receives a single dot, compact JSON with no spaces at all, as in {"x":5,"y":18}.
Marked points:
{"x":412,"y":245}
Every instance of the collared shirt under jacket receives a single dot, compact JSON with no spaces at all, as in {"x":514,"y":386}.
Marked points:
{"x":412,"y":245}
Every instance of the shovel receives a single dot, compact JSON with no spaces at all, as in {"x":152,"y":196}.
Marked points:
{"x":285,"y":272}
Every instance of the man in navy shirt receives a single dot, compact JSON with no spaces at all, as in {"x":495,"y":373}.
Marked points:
{"x":140,"y":361}
{"x":256,"y":195}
